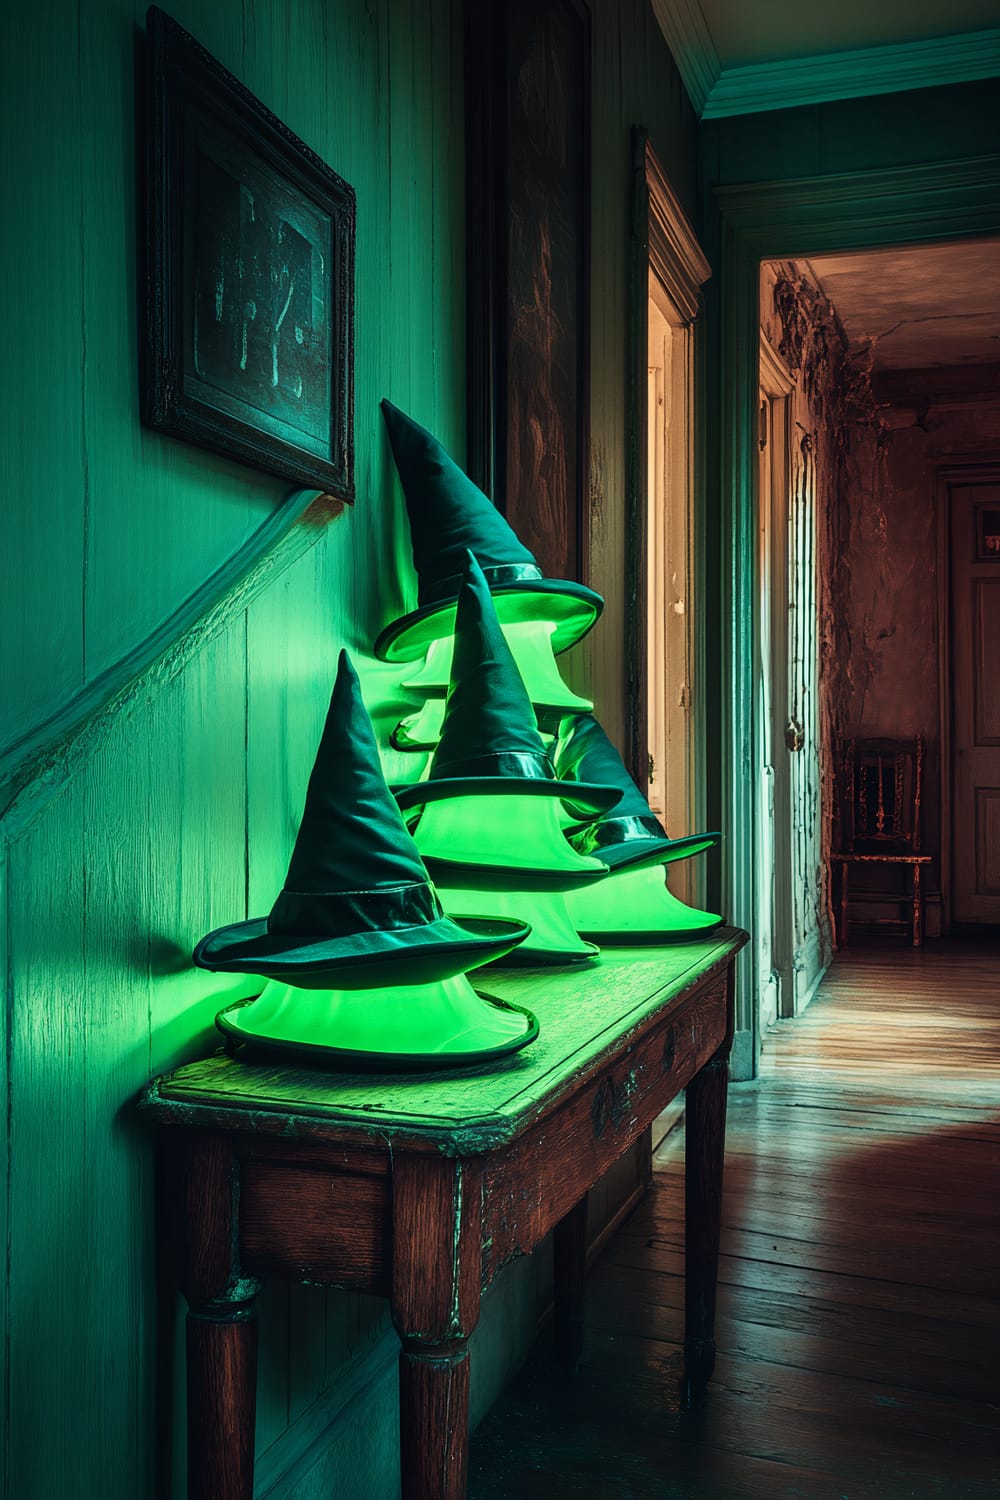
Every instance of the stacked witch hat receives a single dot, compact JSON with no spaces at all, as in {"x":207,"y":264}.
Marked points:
{"x":363,"y":965}
{"x":490,"y":813}
{"x":632,"y":842}
{"x":449,"y":515}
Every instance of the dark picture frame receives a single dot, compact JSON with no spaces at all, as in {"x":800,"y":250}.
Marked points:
{"x":248,"y":345}
{"x":528,"y":124}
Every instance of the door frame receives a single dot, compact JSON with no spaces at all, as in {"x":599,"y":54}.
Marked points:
{"x":975,"y":470}
{"x":664,"y":246}
{"x":777,"y":385}
{"x":788,"y":220}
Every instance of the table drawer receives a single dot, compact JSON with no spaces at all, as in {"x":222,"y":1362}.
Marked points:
{"x":529,"y":1188}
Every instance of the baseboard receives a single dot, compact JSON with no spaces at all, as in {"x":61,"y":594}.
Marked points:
{"x":741,"y":1058}
{"x":628,"y":1206}
{"x":809,"y":965}
{"x":283,"y":1467}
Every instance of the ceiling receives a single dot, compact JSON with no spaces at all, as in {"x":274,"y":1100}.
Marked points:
{"x":927,"y":307}
{"x":742,"y":56}
{"x":770,"y":30}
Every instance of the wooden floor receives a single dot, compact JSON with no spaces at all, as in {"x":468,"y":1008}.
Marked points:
{"x":859,"y":1317}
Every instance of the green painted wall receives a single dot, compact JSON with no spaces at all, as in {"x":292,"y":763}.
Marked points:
{"x":179,"y":814}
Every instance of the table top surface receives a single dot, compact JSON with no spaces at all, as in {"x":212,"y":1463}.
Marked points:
{"x":585,"y":1014}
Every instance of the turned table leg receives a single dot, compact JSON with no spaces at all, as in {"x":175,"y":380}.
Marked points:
{"x":221,"y":1402}
{"x":221,"y":1326}
{"x":705,"y":1133}
{"x":569,"y":1265}
{"x":436,"y":1283}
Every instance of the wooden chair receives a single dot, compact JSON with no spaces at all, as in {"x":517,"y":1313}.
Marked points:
{"x":877,"y":822}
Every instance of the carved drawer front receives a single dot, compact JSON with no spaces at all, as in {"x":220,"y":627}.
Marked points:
{"x":533,"y":1186}
{"x":311,"y":1224}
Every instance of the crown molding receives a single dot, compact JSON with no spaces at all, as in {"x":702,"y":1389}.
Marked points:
{"x":808,"y":215}
{"x":686,"y":34}
{"x":847,"y":75}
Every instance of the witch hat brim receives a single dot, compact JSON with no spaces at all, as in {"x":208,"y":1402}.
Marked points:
{"x":627,"y":843}
{"x":581,"y":799}
{"x":637,"y":907}
{"x":358,"y":909}
{"x":572,"y":608}
{"x":363,"y":960}
{"x":238,"y":1025}
{"x":449,"y":515}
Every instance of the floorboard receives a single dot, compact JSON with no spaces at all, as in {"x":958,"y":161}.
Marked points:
{"x":858,"y":1318}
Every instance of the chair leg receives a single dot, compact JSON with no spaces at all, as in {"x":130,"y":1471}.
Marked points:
{"x":918,"y":915}
{"x":843,"y":905}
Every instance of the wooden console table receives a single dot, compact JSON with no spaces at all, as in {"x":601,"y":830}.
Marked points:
{"x":420,"y":1187}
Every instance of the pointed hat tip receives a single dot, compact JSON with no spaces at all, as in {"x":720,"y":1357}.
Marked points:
{"x":395,"y":418}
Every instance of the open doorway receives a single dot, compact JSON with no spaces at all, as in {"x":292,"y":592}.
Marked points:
{"x":773,"y":898}
{"x":878,"y":627}
{"x":765,"y":220}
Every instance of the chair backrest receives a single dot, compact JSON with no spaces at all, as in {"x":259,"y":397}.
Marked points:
{"x":878,"y":796}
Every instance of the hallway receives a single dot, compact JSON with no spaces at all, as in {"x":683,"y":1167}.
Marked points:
{"x":858,"y":1318}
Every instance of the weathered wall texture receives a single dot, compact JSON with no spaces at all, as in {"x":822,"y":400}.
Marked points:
{"x":181,"y":815}
{"x":888,"y":593}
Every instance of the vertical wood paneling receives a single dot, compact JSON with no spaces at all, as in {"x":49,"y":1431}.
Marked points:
{"x":148,"y":493}
{"x":6,"y":999}
{"x":197,"y":822}
{"x":286,"y":704}
{"x":51,"y":1174}
{"x":43,"y":461}
{"x":111,"y":1021}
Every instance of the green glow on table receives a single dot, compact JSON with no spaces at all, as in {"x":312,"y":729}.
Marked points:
{"x":501,"y":831}
{"x":531,"y":646}
{"x":421,"y":1019}
{"x":635,"y":901}
{"x":553,"y":937}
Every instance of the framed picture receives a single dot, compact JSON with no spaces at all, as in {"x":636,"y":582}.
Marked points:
{"x":528,"y":206}
{"x":249,"y":275}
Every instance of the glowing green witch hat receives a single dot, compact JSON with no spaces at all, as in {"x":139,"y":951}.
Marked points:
{"x":530,"y":642}
{"x":630,"y":834}
{"x":531,"y":646}
{"x":635,"y":906}
{"x":365,"y":970}
{"x":448,"y":516}
{"x":491,"y":801}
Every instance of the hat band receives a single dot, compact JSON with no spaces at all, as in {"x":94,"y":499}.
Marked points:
{"x":617,"y":831}
{"x":496,"y":575}
{"x":336,"y":914}
{"x":501,"y":763}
